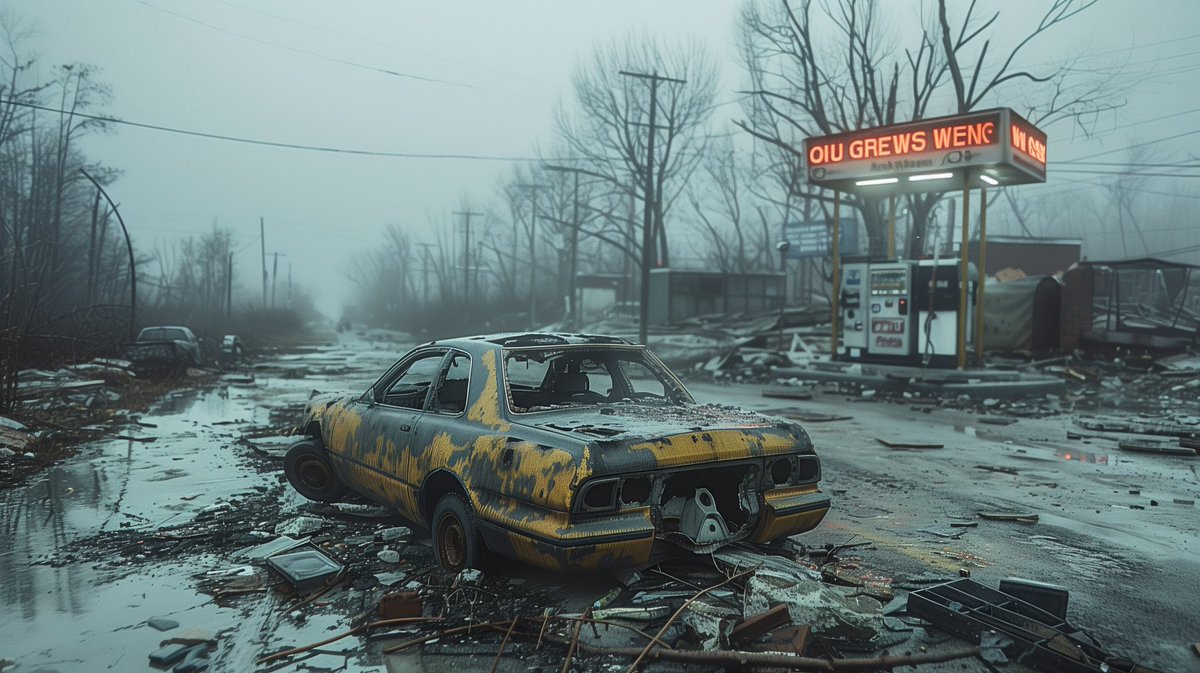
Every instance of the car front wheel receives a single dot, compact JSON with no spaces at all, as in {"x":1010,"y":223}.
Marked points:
{"x":309,"y":471}
{"x":456,"y":543}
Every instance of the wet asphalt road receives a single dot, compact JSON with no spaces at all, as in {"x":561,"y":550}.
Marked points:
{"x":1134,"y":574}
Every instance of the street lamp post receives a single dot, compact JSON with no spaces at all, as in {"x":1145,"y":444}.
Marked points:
{"x":782,"y":247}
{"x":129,"y":248}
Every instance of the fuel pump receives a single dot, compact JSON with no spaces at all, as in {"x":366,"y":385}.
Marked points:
{"x":902,"y":312}
{"x":935,"y":306}
{"x":854,"y":319}
{"x":889,"y":332}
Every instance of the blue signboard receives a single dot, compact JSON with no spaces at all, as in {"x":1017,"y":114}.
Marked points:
{"x":812,"y":239}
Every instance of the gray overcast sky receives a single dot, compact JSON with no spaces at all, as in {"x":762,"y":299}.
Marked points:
{"x":309,"y":72}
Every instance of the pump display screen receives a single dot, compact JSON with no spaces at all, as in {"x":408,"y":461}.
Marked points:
{"x":889,"y":282}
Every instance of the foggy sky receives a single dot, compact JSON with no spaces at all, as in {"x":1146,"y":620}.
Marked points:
{"x":468,"y":77}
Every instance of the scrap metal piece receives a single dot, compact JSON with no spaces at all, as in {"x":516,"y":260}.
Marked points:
{"x":1049,"y":597}
{"x":1039,"y":639}
{"x":701,"y":521}
{"x":646,"y":614}
{"x":306,"y":569}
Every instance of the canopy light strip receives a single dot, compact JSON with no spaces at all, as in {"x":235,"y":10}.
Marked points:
{"x":877,"y":181}
{"x":990,"y":180}
{"x":930,"y":176}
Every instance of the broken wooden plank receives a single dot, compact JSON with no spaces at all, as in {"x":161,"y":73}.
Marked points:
{"x":1009,"y":516}
{"x":786,"y":392}
{"x":37,"y":389}
{"x":759,"y":625}
{"x":1155,"y":446}
{"x":909,"y":445}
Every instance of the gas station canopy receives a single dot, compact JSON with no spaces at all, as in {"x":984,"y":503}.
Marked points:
{"x":990,"y":147}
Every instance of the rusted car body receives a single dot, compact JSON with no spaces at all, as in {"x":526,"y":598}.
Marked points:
{"x":568,"y":452}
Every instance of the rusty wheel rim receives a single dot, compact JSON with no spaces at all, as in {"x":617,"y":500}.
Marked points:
{"x":452,"y":543}
{"x":314,"y":474}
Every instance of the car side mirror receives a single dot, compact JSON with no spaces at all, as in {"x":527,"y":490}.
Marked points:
{"x":368,"y":397}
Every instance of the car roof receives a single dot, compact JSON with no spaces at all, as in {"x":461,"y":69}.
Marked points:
{"x":531,"y":339}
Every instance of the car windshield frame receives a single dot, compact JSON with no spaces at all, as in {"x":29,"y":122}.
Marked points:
{"x":676,"y":392}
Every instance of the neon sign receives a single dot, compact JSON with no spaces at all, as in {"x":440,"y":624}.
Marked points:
{"x":927,"y":155}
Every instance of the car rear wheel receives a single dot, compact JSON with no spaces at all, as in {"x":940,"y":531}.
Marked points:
{"x":456,"y":543}
{"x":309,"y":471}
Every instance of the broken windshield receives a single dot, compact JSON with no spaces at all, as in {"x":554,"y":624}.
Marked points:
{"x":537,"y":379}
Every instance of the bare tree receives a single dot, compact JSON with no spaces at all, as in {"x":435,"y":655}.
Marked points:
{"x":606,"y":126}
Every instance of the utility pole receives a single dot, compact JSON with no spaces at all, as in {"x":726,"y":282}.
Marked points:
{"x":275,"y":275}
{"x":425,"y":275}
{"x":648,"y":216}
{"x":532,"y":254}
{"x":467,"y":215}
{"x":262,"y":240}
{"x":229,"y":289}
{"x":572,"y":309}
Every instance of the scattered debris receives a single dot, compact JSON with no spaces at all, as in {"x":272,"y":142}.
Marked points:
{"x":1033,"y":636}
{"x":306,"y":569}
{"x":400,"y":604}
{"x":1155,"y":446}
{"x":909,"y":445}
{"x":1009,"y":516}
{"x":162,"y":623}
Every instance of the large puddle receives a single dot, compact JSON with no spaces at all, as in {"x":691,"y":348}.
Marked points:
{"x":64,"y":613}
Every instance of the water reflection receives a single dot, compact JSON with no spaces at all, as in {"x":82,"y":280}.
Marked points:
{"x":1082,"y":456}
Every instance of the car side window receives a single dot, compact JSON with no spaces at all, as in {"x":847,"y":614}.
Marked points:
{"x":451,"y":394}
{"x":411,"y":388}
{"x":642,"y":380}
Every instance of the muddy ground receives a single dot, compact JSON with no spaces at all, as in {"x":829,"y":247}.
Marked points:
{"x":130,"y":530}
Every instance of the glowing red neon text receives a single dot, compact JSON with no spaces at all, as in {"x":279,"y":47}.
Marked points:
{"x":1028,"y":144}
{"x":956,"y":136}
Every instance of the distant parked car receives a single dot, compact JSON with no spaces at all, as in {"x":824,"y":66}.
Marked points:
{"x":569,"y":452}
{"x":232,"y":351}
{"x":165,"y":347}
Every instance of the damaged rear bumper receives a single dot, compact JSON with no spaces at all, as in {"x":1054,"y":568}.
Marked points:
{"x":789,"y":511}
{"x":550,"y":540}
{"x":629,"y":538}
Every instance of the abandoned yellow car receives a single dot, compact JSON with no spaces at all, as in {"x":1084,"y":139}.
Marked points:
{"x":569,"y":452}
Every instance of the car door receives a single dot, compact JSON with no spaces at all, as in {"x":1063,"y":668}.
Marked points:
{"x":445,"y":415}
{"x":389,"y":423}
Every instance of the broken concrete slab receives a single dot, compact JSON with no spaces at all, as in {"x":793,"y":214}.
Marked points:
{"x":301,"y":525}
{"x":400,"y":533}
{"x":162,"y":623}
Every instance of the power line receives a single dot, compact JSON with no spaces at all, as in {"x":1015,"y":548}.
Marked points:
{"x":1141,"y":144}
{"x":1125,"y":164}
{"x":385,"y":45}
{"x":1139,"y":174}
{"x":271,"y":143}
{"x":314,"y":54}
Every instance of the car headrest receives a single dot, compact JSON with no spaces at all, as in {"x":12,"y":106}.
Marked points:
{"x":568,"y":383}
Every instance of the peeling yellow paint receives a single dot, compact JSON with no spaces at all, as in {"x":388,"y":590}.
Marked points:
{"x":486,"y":410}
{"x":716,"y":445}
{"x":344,"y":422}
